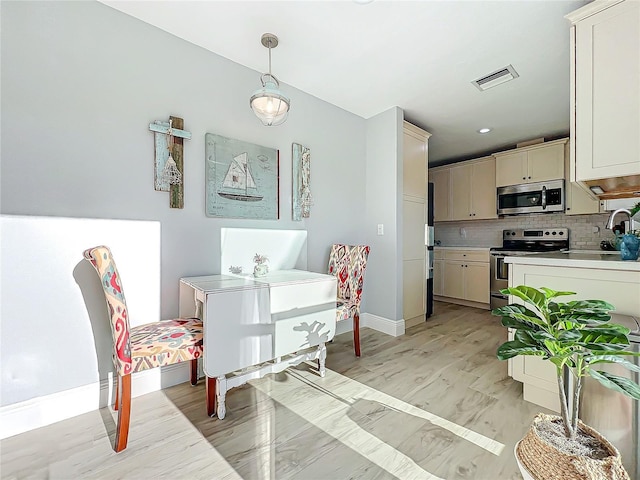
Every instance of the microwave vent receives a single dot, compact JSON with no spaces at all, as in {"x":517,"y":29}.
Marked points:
{"x":498,"y":77}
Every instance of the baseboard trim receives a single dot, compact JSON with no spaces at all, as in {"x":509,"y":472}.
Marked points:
{"x":41,"y":411}
{"x":382,"y":324}
{"x":369,"y":320}
{"x":459,"y":301}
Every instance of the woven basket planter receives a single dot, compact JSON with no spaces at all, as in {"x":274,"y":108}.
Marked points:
{"x":545,"y":462}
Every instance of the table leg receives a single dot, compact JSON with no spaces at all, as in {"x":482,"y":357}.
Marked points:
{"x":221,"y":384}
{"x":211,"y":396}
{"x":322,"y":358}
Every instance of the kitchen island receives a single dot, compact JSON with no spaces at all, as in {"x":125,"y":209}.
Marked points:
{"x":592,"y":275}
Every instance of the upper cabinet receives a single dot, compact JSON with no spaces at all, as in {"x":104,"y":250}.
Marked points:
{"x":473,"y":190}
{"x":605,"y":94}
{"x":440,"y":178}
{"x":465,"y":190}
{"x":534,"y":163}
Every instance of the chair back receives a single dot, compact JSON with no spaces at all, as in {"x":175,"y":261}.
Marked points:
{"x":102,"y":260}
{"x":347,"y":263}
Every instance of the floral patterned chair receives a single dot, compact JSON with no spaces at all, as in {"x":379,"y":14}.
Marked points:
{"x":347,"y":263}
{"x":143,"y":347}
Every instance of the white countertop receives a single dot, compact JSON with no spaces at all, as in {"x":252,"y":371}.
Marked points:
{"x":596,"y":259}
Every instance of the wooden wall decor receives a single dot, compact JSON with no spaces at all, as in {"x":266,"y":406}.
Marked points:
{"x":169,"y":140}
{"x":302,"y":201}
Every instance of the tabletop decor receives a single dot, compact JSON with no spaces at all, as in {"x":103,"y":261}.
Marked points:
{"x":241,"y":179}
{"x":576,"y":337}
{"x":301,"y":159}
{"x":261,"y":268}
{"x":169,"y":161}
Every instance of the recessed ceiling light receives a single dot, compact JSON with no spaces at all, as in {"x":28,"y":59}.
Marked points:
{"x":484,"y":130}
{"x":597,"y":189}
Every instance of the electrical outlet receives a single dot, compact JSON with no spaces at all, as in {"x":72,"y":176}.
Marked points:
{"x":380,"y":229}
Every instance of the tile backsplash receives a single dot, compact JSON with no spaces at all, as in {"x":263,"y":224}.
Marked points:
{"x":585,"y":231}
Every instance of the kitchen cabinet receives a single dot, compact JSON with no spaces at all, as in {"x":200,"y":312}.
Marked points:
{"x":414,"y":218}
{"x":464,"y":276}
{"x":530,"y":164}
{"x":576,"y":200}
{"x":605,"y":94}
{"x":440,"y":177}
{"x":438,"y":272}
{"x":465,"y":190}
{"x":473,"y":190}
{"x":617,"y":284}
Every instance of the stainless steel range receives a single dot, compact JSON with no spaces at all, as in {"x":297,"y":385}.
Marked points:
{"x":521,"y":242}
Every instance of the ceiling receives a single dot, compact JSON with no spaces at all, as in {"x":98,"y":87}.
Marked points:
{"x":422,"y":56}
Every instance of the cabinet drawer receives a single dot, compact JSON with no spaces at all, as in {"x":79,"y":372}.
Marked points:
{"x":467,"y":255}
{"x":438,"y":254}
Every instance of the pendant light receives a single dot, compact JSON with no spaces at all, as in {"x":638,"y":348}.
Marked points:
{"x":269,"y":104}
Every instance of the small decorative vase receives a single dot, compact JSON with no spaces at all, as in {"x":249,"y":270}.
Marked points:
{"x":260,"y":270}
{"x":629,"y":247}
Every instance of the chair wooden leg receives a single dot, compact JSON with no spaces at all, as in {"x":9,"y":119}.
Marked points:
{"x":211,"y":396}
{"x":124,"y":412}
{"x":356,"y":334}
{"x":194,"y":372}
{"x":115,"y":404}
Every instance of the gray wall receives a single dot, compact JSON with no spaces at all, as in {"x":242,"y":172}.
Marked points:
{"x":80,"y":84}
{"x":384,"y":190}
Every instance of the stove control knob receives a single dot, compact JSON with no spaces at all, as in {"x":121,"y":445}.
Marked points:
{"x":560,"y":233}
{"x":553,"y":233}
{"x":546,"y":233}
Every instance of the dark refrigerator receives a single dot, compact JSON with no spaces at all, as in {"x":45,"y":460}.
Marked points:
{"x":429,"y":246}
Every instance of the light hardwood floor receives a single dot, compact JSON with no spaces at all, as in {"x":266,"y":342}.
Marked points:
{"x":434,"y":403}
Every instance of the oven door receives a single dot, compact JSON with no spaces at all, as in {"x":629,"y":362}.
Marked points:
{"x":499,"y":271}
{"x":544,"y":197}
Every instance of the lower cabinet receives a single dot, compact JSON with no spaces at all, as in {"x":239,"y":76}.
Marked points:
{"x":462,"y":276}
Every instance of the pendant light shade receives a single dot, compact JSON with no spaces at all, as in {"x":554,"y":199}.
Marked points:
{"x":269,"y":104}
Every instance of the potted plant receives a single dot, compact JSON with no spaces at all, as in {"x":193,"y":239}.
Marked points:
{"x":576,"y":337}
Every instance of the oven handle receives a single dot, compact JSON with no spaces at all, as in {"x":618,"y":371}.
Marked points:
{"x":544,"y":198}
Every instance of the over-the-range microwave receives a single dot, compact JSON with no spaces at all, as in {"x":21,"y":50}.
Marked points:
{"x":541,"y":197}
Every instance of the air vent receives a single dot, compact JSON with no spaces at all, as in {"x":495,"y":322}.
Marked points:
{"x":496,"y":78}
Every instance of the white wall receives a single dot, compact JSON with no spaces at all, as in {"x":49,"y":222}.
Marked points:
{"x":80,"y":84}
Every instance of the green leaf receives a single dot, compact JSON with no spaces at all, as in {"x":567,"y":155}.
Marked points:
{"x":528,"y":294}
{"x":595,"y":351}
{"x":569,"y":336}
{"x":617,"y":383}
{"x":516,"y":323}
{"x":593,"y":359}
{"x":513,"y":348}
{"x":520,"y":312}
{"x":552,"y":293}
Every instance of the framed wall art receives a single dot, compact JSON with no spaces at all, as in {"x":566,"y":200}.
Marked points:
{"x":301,"y":160}
{"x":242,"y":179}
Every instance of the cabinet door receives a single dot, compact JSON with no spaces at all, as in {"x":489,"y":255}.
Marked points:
{"x":438,"y":277}
{"x":476,"y":282}
{"x":453,"y":285}
{"x":461,"y":192}
{"x":483,"y":196}
{"x":511,"y":169}
{"x":441,"y":190}
{"x":545,"y":163}
{"x":414,"y":289}
{"x":414,"y":166}
{"x":607,"y":93}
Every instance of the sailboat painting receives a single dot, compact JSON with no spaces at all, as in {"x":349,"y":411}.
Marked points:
{"x":241,"y":179}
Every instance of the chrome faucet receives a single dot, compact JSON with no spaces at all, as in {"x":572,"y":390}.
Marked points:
{"x":613,"y":216}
